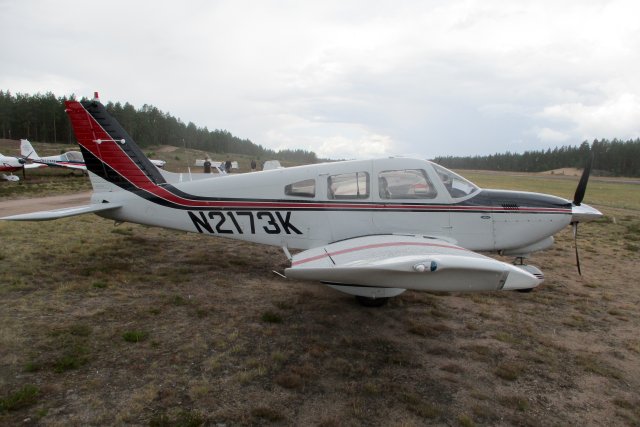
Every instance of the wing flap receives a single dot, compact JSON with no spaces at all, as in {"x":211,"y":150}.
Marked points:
{"x":409,"y":262}
{"x":63,"y":213}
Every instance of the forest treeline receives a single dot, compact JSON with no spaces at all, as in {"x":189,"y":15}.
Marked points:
{"x":42,"y":118}
{"x":615,"y":157}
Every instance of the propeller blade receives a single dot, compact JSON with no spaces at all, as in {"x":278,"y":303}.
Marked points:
{"x":582,"y":184}
{"x":575,"y":242}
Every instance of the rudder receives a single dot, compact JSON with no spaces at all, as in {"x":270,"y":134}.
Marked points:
{"x":112,"y":157}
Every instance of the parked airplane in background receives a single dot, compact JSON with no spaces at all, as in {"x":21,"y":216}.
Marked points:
{"x":271,"y":164}
{"x":158,"y":163}
{"x":370,"y":228}
{"x":70,"y":159}
{"x":13,"y":164}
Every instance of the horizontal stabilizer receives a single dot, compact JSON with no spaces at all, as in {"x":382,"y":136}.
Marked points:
{"x":63,"y":213}
{"x":408,"y":262}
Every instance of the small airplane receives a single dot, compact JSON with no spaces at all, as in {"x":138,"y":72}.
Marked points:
{"x":70,"y":159}
{"x":13,"y":164}
{"x":369,"y":228}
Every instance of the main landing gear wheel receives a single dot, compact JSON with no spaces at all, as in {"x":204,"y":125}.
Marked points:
{"x":524,"y":291}
{"x":371,"y":302}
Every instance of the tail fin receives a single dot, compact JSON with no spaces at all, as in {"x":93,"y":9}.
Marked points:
{"x":114,"y":161}
{"x":27,"y":150}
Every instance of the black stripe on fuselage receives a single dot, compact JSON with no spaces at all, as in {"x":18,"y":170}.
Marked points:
{"x":478,"y":204}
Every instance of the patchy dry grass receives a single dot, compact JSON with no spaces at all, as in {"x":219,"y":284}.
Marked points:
{"x":19,"y":399}
{"x":215,"y":342}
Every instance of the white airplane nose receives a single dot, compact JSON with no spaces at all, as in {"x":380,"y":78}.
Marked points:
{"x":584,"y":213}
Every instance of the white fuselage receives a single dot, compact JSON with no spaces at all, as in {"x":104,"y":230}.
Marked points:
{"x":9,"y":164}
{"x":308,"y":206}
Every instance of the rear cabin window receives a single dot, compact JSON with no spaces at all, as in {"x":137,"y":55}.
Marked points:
{"x":405,"y":184}
{"x":348,"y":186}
{"x":305,"y":188}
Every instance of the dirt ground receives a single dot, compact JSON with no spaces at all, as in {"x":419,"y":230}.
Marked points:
{"x":135,"y":325}
{"x":564,"y":171}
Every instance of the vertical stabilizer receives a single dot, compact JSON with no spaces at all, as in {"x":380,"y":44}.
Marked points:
{"x":27,"y":150}
{"x":113,"y":159}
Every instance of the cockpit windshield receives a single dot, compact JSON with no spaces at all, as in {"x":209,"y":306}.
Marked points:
{"x":456,"y":185}
{"x":73,"y":156}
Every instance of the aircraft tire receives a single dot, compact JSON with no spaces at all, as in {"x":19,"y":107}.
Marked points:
{"x":524,"y":291}
{"x":371,"y":302}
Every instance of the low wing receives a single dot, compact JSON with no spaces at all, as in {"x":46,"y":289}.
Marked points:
{"x":61,"y":164}
{"x":407,"y":262}
{"x":62,"y":213}
{"x":34,"y":166}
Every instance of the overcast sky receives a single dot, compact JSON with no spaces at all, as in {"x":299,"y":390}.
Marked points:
{"x":346,"y":79}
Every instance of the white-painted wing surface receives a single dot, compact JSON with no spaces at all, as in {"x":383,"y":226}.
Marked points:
{"x":34,"y":166}
{"x":62,"y":164}
{"x":407,"y":262}
{"x":63,"y":213}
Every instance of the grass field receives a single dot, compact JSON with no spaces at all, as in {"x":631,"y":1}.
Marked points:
{"x":136,"y":325}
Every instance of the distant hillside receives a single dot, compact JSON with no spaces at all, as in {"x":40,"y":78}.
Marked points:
{"x":42,"y":118}
{"x":617,"y":158}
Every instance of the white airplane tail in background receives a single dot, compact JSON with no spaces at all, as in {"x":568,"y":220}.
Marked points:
{"x":27,"y":150}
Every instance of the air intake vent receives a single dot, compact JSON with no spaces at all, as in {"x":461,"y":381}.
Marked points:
{"x":510,"y":206}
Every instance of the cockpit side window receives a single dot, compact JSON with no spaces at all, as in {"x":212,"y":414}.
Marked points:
{"x":304,"y":188}
{"x":405,"y":184}
{"x":348,"y":186}
{"x":456,"y":185}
